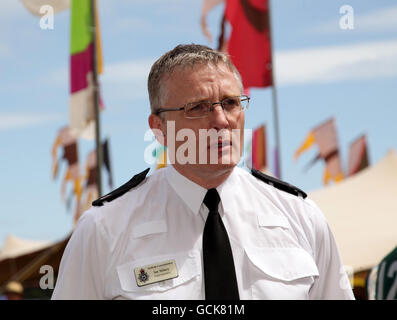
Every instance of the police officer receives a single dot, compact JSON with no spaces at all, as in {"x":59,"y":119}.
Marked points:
{"x":201,"y":228}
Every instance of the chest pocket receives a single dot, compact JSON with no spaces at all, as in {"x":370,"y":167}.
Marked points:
{"x":280,"y":273}
{"x":187,"y":285}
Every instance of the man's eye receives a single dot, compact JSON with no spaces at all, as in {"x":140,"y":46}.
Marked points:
{"x":198,"y":107}
{"x":231,"y":102}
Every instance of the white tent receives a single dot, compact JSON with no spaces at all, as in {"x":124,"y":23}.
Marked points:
{"x":362,"y":213}
{"x":14,"y":247}
{"x":22,"y":259}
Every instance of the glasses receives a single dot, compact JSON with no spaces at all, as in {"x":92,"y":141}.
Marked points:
{"x":195,"y":110}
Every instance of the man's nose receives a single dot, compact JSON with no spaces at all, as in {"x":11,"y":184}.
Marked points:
{"x":218,"y":118}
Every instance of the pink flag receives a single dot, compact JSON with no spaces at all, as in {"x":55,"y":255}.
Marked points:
{"x":358,"y":156}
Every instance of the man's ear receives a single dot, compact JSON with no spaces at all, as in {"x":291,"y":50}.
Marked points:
{"x":157,"y":126}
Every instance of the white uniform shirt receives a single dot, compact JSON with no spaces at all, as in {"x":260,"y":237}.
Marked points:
{"x":282,"y":245}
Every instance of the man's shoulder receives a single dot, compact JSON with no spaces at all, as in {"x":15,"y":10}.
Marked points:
{"x":262,"y":179}
{"x":278,"y":184}
{"x":115,"y":209}
{"x":285,"y":194}
{"x":132,"y":183}
{"x":271,"y":196}
{"x":290,"y":199}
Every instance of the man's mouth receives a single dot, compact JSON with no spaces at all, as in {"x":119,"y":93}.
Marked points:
{"x":220,"y":144}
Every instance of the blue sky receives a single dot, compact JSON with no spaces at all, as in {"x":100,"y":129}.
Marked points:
{"x":322,"y":71}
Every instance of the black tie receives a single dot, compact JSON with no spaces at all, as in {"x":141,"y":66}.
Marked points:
{"x":219,"y":272}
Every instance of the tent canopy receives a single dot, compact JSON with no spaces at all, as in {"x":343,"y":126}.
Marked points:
{"x":362,"y":213}
{"x":21,"y":260}
{"x":14,"y":247}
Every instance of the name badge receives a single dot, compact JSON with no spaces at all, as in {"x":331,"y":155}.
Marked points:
{"x":155,"y":273}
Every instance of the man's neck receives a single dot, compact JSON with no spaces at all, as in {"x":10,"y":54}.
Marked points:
{"x":205,"y":179}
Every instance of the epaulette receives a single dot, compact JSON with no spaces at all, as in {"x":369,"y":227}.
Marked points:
{"x":278,"y":183}
{"x":135,"y":180}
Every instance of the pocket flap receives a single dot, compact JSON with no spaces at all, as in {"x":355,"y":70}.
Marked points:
{"x":188,"y":266}
{"x":149,"y":227}
{"x":286,"y":264}
{"x":272,"y":220}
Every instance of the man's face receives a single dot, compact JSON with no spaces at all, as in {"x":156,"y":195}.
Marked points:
{"x":203,"y":83}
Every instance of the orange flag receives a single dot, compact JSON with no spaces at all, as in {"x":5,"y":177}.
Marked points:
{"x":68,"y":143}
{"x":90,"y":188}
{"x":324,"y":136}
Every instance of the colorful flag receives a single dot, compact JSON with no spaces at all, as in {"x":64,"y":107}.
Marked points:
{"x":358,"y":156}
{"x":90,"y":187}
{"x":259,"y":154}
{"x":325,"y":137}
{"x":70,"y":154}
{"x":249,"y":45}
{"x":82,"y":113}
{"x":34,"y":6}
{"x":160,"y":153}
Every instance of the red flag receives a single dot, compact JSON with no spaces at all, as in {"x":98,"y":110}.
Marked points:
{"x":358,"y":156}
{"x":249,"y":44}
{"x":259,"y":155}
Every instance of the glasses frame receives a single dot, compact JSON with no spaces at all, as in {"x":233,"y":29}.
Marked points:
{"x":242,"y":98}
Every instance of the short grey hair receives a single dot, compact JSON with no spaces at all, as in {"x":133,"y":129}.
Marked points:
{"x":182,"y":56}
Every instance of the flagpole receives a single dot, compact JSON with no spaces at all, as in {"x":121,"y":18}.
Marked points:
{"x":99,"y":155}
{"x":275,"y":102}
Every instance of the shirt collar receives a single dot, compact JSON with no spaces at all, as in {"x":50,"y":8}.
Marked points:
{"x":229,"y":190}
{"x":191,"y":193}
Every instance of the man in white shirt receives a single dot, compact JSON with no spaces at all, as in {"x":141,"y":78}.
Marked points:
{"x":201,"y":228}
